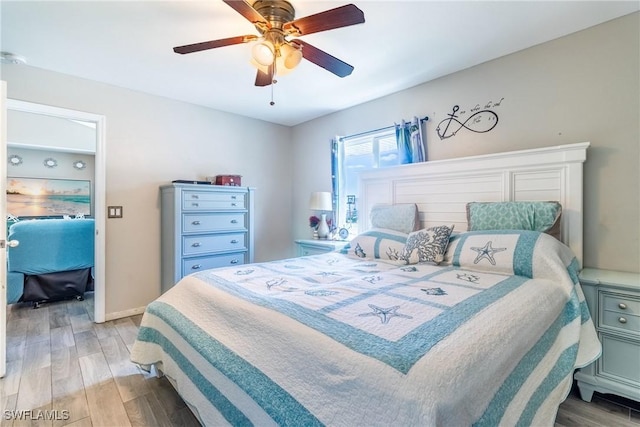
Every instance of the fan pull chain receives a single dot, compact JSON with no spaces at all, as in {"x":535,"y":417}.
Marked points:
{"x":272,"y":103}
{"x":273,"y":80}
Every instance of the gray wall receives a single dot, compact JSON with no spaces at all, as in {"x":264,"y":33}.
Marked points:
{"x":151,"y":141}
{"x":582,"y":87}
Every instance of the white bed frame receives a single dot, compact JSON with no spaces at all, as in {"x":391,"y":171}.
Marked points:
{"x":442,"y":188}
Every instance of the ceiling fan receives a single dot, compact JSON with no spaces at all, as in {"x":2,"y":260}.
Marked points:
{"x":276,"y":51}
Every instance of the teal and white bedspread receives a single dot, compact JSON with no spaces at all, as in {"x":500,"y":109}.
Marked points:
{"x":491,"y":338}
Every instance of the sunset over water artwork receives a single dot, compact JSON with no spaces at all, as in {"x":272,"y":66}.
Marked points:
{"x":28,"y":197}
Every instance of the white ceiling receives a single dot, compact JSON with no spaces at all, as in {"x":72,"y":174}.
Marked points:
{"x":401,"y":44}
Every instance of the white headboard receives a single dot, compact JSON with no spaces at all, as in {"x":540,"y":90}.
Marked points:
{"x":442,"y":188}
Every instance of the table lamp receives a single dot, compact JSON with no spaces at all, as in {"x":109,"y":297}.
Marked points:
{"x":321,"y":201}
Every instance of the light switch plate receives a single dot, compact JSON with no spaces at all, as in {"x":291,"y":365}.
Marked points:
{"x":114,"y":212}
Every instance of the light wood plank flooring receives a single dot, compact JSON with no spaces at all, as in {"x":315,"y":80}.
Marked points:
{"x":59,"y":360}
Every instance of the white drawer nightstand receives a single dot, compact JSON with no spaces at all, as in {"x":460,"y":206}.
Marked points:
{"x":614,"y":302}
{"x":318,"y":246}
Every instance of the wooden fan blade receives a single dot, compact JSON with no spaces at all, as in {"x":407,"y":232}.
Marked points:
{"x":250,"y":14}
{"x":197,"y":47}
{"x":328,"y":20}
{"x":323,"y":59}
{"x":265,"y":79}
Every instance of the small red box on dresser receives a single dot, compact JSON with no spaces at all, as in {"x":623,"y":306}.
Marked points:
{"x":232,"y":180}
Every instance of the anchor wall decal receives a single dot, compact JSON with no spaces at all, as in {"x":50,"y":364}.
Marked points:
{"x":480,"y":122}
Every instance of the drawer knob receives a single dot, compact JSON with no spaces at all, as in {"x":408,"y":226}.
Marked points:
{"x":196,"y":244}
{"x":196,"y":267}
{"x":234,"y":204}
{"x":622,"y":306}
{"x":233,"y":197}
{"x":234,"y":221}
{"x":234,"y":261}
{"x":195,"y":205}
{"x":194,"y":196}
{"x":234,"y":241}
{"x":622,"y":320}
{"x":195,"y":223}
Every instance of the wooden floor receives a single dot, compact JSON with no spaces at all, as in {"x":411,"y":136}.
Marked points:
{"x":63,"y":366}
{"x":59,"y":360}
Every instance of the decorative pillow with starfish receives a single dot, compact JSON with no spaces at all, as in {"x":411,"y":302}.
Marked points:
{"x":377,"y":243}
{"x":498,"y":251}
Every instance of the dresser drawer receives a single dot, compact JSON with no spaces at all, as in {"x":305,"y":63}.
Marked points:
{"x":193,"y":265}
{"x":623,"y":304}
{"x":201,"y":244}
{"x":619,"y":312}
{"x":619,"y":360}
{"x":310,"y":250}
{"x":201,"y":200}
{"x":201,"y":223}
{"x":620,"y":322}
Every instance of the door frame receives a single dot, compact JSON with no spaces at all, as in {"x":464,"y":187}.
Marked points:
{"x":3,"y":232}
{"x":99,"y":188}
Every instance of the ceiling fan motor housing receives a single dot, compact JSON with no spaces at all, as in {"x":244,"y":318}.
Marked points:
{"x":277,"y":12}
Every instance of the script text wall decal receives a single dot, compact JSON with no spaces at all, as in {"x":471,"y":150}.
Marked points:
{"x":480,"y":119}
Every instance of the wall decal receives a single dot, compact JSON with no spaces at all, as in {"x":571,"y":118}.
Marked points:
{"x":480,"y":121}
{"x":50,"y":162}
{"x":15,"y":160}
{"x":79,"y":164}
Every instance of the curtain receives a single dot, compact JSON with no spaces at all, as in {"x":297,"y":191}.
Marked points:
{"x":410,"y":143}
{"x":335,"y":174}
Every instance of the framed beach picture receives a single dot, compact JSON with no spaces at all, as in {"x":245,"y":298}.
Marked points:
{"x":44,"y":197}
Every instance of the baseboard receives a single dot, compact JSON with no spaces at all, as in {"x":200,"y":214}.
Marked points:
{"x":125,"y":313}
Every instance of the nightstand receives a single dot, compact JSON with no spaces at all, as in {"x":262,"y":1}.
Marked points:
{"x":614,"y":302}
{"x":318,"y":246}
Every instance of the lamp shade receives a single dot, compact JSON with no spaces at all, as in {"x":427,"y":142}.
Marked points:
{"x":320,"y":201}
{"x":289,"y":58}
{"x":262,"y":53}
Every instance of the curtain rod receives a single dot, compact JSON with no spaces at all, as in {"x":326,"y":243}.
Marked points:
{"x":422,"y":120}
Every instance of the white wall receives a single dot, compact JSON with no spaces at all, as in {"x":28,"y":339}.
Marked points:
{"x":152,"y":141}
{"x":582,"y":87}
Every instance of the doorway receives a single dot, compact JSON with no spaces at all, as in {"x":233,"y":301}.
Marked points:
{"x":19,"y":113}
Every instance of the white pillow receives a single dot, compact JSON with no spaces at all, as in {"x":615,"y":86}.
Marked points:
{"x":402,"y":217}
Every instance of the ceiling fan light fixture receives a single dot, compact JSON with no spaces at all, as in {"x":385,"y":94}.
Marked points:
{"x":274,"y":53}
{"x":287,"y":58}
{"x":262,"y":68}
{"x":292,"y":56}
{"x":263,"y":53}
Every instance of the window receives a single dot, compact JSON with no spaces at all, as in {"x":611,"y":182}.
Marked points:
{"x":351,"y":155}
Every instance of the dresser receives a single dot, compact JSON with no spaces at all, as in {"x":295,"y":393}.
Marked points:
{"x":317,"y":246}
{"x":614,"y":302}
{"x":204,"y":226}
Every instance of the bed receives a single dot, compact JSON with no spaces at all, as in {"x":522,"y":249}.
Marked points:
{"x":53,"y":261}
{"x":483,"y":329}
